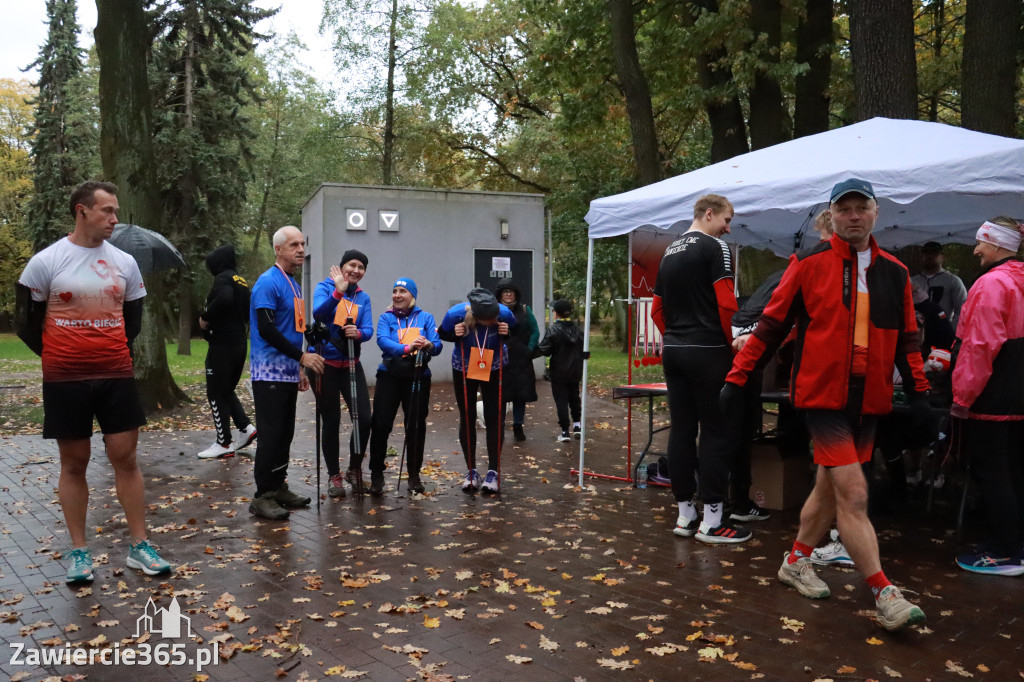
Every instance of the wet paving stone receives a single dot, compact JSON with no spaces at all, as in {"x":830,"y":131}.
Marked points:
{"x":546,"y":582}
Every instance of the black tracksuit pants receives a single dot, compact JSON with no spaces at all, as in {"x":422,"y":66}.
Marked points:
{"x":694,"y":377}
{"x":334,"y":385}
{"x":223,"y":371}
{"x":566,"y":395}
{"x":494,"y":416}
{"x":996,"y":452}
{"x":275,"y":414}
{"x":388,"y":395}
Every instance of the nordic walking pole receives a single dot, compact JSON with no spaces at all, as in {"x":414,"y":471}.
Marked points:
{"x":353,"y":406}
{"x":465,"y":406}
{"x":312,"y":337}
{"x":413,"y":400}
{"x":501,"y":406}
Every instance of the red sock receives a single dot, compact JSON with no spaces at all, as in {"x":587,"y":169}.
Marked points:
{"x":877,"y":583}
{"x":799,"y":550}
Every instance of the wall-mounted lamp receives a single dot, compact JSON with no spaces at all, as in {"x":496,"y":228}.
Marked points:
{"x":504,"y":229}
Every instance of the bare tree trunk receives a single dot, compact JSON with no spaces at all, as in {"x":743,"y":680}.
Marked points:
{"x":636,"y":91}
{"x":992,"y":41}
{"x":188,"y":191}
{"x":125,"y":147}
{"x":769,"y":119}
{"x":814,"y":46}
{"x":389,"y":106}
{"x":884,"y":65}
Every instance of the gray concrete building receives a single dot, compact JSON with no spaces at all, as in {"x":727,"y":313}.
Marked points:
{"x":448,"y":241}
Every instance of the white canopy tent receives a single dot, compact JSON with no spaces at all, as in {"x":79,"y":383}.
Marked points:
{"x":934,"y":182}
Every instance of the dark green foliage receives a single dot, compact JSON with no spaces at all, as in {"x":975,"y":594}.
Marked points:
{"x":65,"y":127}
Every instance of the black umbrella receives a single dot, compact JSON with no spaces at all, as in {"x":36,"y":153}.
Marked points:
{"x":150,"y":249}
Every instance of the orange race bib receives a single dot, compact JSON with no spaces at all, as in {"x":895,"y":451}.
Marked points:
{"x":480,"y":364}
{"x":300,"y":315}
{"x":346,"y":310}
{"x":408,"y":335}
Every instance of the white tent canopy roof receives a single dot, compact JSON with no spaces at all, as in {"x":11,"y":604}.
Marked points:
{"x":933,"y":182}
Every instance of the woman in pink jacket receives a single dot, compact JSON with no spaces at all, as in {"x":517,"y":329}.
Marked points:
{"x":987,"y":377}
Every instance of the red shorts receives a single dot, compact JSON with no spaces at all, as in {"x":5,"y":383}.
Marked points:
{"x":843,"y":437}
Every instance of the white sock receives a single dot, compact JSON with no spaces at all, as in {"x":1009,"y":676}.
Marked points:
{"x":712,"y":516}
{"x":687,"y":511}
{"x":575,"y":425}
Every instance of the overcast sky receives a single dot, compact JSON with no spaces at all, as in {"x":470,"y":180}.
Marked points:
{"x":23,"y":31}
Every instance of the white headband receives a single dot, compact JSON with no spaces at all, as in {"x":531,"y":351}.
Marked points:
{"x":999,"y":235}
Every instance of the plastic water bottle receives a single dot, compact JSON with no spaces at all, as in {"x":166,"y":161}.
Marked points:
{"x":641,"y":476}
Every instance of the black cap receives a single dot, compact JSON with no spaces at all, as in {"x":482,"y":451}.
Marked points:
{"x":483,"y":304}
{"x":931,"y":247}
{"x":853,"y":185}
{"x":562,"y":307}
{"x":353,"y":254}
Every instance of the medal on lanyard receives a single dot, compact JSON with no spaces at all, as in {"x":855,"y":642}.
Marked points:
{"x":480,"y":359}
{"x":299,"y":310}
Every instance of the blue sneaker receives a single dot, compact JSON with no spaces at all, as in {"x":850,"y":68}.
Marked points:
{"x":989,"y":563}
{"x":81,"y":566}
{"x":490,"y":483}
{"x":143,"y":557}
{"x":472,"y":481}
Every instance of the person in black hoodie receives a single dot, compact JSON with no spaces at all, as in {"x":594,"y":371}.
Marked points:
{"x":224,"y":322}
{"x":520,"y":382}
{"x":563,"y":342}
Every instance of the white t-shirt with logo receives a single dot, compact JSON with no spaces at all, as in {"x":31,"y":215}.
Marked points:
{"x":85,"y":290}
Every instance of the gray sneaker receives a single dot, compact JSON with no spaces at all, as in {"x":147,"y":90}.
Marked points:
{"x":266,"y":506}
{"x":894,"y":611}
{"x":336,"y":486}
{"x":800,"y":574}
{"x":286,"y":498}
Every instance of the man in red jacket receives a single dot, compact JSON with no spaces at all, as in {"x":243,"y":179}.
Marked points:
{"x":853,"y":308}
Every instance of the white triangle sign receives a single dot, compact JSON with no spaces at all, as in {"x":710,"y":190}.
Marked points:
{"x":389,"y":218}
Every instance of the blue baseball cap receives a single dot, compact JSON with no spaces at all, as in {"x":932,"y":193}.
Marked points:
{"x":408,"y":284}
{"x":852,"y":186}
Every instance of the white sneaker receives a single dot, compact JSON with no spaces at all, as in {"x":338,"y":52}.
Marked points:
{"x":563,"y":437}
{"x":248,"y":436}
{"x":217,"y":450}
{"x":832,"y":554}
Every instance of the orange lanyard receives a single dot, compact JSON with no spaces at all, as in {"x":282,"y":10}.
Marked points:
{"x":291,"y":283}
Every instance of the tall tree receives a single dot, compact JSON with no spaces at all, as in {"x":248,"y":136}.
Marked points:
{"x":991,"y":66}
{"x":126,"y":133}
{"x":15,"y":185}
{"x":636,"y":92}
{"x":721,"y":96}
{"x":201,"y":85}
{"x":60,"y":141}
{"x":884,"y":68}
{"x":770,"y":122}
{"x":377,"y":38}
{"x":815,"y":45}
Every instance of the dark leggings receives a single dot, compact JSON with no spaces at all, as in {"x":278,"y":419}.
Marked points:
{"x":223,"y":370}
{"x":996,"y":452}
{"x":389,"y":394}
{"x":695,"y":376}
{"x":275,"y":413}
{"x":335,"y":385}
{"x":494,"y":416}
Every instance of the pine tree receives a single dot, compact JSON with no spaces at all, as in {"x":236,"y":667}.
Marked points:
{"x":201,"y":86}
{"x":61,"y":142}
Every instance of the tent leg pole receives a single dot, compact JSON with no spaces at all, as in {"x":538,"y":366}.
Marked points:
{"x":586,"y":349}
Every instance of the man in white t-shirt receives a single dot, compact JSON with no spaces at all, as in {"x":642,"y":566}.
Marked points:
{"x":79,"y":306}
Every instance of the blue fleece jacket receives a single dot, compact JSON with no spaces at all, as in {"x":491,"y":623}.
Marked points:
{"x":325,"y":305}
{"x":387,"y":333}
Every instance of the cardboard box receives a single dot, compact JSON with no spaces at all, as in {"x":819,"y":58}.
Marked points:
{"x":778,"y":482}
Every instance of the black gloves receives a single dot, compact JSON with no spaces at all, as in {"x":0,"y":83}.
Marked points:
{"x":730,"y":401}
{"x":923,"y":420}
